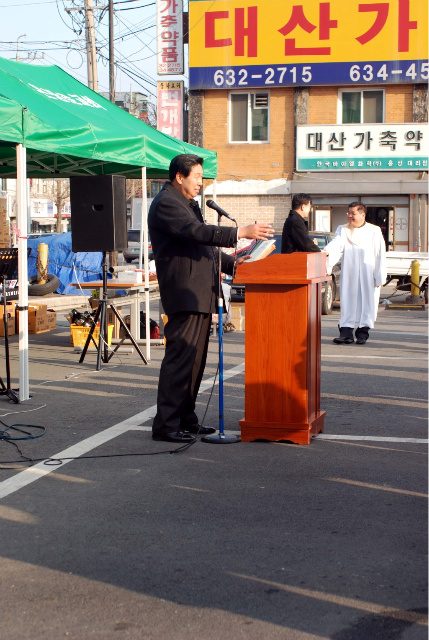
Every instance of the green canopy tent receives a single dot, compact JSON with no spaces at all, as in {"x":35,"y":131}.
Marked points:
{"x":51,"y":125}
{"x":70,"y":130}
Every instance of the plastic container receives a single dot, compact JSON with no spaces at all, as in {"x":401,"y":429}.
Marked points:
{"x":80,"y":335}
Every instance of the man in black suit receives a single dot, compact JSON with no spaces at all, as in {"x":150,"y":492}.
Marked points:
{"x":186,"y":257}
{"x":295,"y":231}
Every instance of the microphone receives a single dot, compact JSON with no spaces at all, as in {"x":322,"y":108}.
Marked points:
{"x":212,"y":204}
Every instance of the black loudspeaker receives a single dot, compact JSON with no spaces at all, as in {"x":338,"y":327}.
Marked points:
{"x":98,"y":213}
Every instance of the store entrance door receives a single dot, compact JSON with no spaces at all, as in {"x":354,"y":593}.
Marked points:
{"x":380,"y":217}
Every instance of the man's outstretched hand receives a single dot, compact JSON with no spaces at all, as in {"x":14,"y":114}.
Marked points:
{"x":256,"y":232}
{"x":242,"y":259}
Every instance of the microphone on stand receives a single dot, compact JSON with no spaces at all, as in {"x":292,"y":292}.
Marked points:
{"x":212,"y":204}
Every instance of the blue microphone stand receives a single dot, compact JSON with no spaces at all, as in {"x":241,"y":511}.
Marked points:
{"x":220,"y":438}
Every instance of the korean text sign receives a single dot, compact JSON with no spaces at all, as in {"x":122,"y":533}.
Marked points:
{"x":362,"y":147}
{"x":170,"y":108}
{"x":245,"y":43}
{"x":169,"y":22}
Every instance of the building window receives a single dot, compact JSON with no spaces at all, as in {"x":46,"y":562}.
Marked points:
{"x":361,"y":106}
{"x":249,"y":117}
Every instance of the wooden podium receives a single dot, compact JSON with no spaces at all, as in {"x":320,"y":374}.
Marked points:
{"x":282,"y":347}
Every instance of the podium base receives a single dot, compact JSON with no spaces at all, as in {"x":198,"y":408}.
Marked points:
{"x":275,"y":431}
{"x":217,"y":438}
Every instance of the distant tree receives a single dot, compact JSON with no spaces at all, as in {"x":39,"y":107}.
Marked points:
{"x":55,"y":189}
{"x":60,"y":194}
{"x":151,"y":117}
{"x":133,"y":187}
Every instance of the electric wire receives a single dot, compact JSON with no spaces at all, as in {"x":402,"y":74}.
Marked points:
{"x":132,"y":8}
{"x":26,"y":4}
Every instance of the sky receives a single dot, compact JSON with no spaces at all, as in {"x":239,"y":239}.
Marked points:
{"x":48,"y":29}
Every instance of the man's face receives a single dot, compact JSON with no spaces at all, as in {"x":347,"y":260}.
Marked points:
{"x":355,"y":217}
{"x":305,"y":209}
{"x":191,"y":185}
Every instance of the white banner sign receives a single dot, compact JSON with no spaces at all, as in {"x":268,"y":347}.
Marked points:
{"x":362,"y":147}
{"x":42,"y":208}
{"x":169,"y":23}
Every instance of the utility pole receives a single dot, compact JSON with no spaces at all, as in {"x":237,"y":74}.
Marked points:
{"x":113,"y":255}
{"x":111,"y":55}
{"x":24,"y":35}
{"x":91,"y":54}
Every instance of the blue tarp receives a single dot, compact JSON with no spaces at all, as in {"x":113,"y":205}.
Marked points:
{"x":66,"y":265}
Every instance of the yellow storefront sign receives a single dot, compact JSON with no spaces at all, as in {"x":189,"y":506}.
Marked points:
{"x":241,"y":34}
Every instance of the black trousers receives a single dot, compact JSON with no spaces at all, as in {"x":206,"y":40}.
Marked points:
{"x":187,"y":338}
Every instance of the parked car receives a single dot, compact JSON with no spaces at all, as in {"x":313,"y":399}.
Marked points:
{"x":133,"y":246}
{"x":330,"y":289}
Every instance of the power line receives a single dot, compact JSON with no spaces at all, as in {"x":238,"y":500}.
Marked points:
{"x":125,"y":59}
{"x":26,"y":4}
{"x":132,"y":8}
{"x":123,"y":1}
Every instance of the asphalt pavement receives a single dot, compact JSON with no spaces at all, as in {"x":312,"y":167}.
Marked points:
{"x":118,"y":537}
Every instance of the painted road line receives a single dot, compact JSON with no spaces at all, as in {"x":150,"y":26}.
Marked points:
{"x":41,"y":469}
{"x":405,"y":333}
{"x":24,"y":478}
{"x":353,"y":357}
{"x":325,"y":436}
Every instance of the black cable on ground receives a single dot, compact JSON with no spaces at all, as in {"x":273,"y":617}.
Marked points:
{"x":59,"y":461}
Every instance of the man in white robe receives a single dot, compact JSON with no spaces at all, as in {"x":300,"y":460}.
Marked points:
{"x":361,"y":248}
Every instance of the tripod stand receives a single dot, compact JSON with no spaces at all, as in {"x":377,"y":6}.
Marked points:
{"x":8,"y":267}
{"x":101,"y":317}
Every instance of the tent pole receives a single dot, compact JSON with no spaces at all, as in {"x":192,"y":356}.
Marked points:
{"x":21,"y":197}
{"x":146,"y":260}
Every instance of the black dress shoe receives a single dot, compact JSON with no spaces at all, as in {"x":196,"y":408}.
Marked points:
{"x":174,"y":436}
{"x":199,"y":429}
{"x":361,"y":340}
{"x":343,"y":340}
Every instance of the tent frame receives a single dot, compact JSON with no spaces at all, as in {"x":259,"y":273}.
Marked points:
{"x":22,"y":203}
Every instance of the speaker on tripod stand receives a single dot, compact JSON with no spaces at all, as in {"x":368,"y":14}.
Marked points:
{"x":98,"y":213}
{"x":99,"y":223}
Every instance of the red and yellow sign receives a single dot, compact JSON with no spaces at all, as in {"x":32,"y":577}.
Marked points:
{"x":337,"y":34}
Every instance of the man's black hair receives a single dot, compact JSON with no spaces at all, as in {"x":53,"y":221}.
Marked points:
{"x":183,"y":164}
{"x":359,"y":205}
{"x":299,"y":199}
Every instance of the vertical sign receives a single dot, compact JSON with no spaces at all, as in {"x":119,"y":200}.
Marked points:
{"x":170,"y":108}
{"x":169,"y":23}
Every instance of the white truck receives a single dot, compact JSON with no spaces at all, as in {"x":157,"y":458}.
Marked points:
{"x":399,"y":267}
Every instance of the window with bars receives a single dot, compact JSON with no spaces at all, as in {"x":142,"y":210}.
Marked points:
{"x":249,"y":117}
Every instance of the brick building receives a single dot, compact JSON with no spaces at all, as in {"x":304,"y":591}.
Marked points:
{"x":264,"y":132}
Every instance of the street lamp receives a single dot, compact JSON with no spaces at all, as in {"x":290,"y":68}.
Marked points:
{"x":24,"y":35}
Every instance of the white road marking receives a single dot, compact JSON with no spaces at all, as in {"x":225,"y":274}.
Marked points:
{"x":41,"y":469}
{"x":351,"y":356}
{"x":24,"y":478}
{"x":326,"y":436}
{"x":405,"y":333}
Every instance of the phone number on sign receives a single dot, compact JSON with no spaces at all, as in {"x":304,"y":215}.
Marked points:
{"x":340,"y":73}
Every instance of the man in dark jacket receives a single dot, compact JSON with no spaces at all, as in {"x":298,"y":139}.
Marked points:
{"x":186,"y":258}
{"x":295,"y":231}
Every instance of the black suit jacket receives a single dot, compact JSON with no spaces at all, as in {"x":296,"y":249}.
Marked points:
{"x":295,"y":235}
{"x":185,"y":257}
